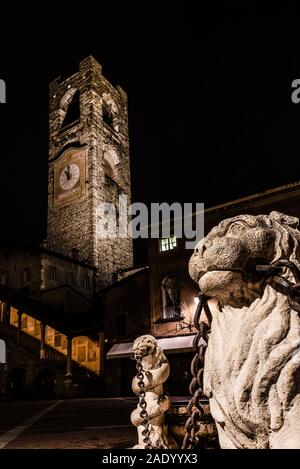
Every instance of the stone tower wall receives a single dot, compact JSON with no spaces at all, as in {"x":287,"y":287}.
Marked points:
{"x":74,"y":224}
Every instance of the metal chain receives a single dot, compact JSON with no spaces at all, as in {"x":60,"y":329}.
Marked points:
{"x":143,"y":404}
{"x":194,"y":407}
{"x":282,"y":285}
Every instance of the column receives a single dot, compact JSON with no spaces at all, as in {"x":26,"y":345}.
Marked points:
{"x":43,"y":341}
{"x":69,"y":360}
{"x":7,"y":313}
{"x":19,"y":326}
{"x":102,"y":353}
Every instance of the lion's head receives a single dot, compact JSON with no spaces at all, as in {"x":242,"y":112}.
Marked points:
{"x":238,"y":243}
{"x":144,"y":345}
{"x":252,"y":363}
{"x":153,"y":360}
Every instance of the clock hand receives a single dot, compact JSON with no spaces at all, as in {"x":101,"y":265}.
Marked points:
{"x":68,"y":173}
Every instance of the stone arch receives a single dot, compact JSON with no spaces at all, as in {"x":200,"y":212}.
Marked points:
{"x":69,"y":109}
{"x":110,"y":103}
{"x":67,"y":98}
{"x":73,"y":145}
{"x":111,"y":161}
{"x":110,"y":112}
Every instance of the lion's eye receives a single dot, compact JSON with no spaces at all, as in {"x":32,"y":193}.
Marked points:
{"x":149,"y":341}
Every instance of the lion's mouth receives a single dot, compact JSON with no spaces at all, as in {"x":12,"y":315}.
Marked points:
{"x":217,"y":269}
{"x":200,"y":275}
{"x":141,"y":352}
{"x":249,"y":270}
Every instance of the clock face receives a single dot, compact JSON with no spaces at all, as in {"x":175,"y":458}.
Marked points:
{"x":69,"y":176}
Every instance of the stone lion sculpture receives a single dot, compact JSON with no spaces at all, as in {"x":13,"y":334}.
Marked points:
{"x":252,"y":363}
{"x":156,"y":371}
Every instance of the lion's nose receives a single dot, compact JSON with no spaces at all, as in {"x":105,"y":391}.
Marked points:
{"x":140,"y":352}
{"x":201,"y":247}
{"x":206,"y":245}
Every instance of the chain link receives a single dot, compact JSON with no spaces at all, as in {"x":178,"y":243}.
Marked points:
{"x":143,"y":404}
{"x":281,"y":285}
{"x":194,"y":407}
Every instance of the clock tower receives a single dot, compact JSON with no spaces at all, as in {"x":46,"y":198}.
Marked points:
{"x":88,"y":165}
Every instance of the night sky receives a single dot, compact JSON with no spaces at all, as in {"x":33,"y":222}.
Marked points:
{"x":210,"y":110}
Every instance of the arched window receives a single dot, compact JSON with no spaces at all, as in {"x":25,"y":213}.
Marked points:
{"x":108,"y":169}
{"x":110,"y":111}
{"x":170,"y":297}
{"x":108,"y":117}
{"x":72,"y":111}
{"x":111,"y":161}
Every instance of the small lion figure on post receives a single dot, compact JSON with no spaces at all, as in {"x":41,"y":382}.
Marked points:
{"x":149,"y":416}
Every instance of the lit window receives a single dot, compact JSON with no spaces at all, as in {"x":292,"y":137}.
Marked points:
{"x":57,"y":339}
{"x":64,"y":343}
{"x":91,"y":351}
{"x":37,"y":328}
{"x":15,"y":318}
{"x":24,"y":322}
{"x":166,"y":244}
{"x":81,"y":353}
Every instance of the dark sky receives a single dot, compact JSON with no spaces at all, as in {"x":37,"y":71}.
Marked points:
{"x":210,"y":110}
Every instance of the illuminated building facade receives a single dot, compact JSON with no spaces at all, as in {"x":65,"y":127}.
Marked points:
{"x":71,"y":308}
{"x":167,"y":312}
{"x":51,"y":314}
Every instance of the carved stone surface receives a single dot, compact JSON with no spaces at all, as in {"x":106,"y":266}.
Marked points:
{"x":252,"y":364}
{"x":156,"y":370}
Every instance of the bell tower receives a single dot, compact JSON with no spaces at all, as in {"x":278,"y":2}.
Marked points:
{"x":88,"y":165}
